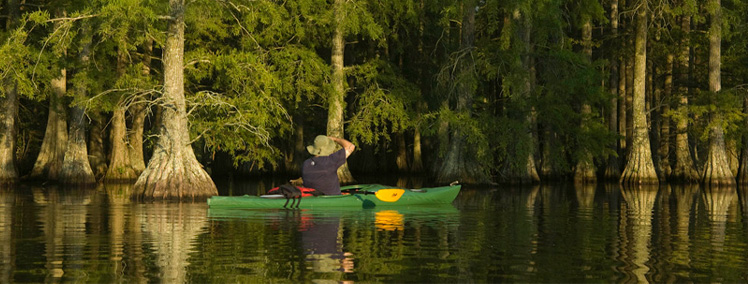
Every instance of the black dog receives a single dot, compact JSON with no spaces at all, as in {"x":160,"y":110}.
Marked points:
{"x":290,"y":192}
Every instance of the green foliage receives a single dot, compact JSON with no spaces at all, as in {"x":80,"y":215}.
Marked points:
{"x":383,"y":100}
{"x":250,"y":65}
{"x":18,"y":56}
{"x":728,"y":104}
{"x":126,"y":22}
{"x":482,"y":133}
{"x":243,"y":118}
{"x":357,"y":19}
{"x":304,"y":73}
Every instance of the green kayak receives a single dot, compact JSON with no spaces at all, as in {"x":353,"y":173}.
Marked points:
{"x":362,"y":196}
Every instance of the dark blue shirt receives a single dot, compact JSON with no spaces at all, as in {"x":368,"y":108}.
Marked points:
{"x":321,"y":172}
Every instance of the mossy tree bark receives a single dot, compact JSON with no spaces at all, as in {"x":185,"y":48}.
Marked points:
{"x":8,"y":115}
{"x":76,"y":169}
{"x":640,"y":167}
{"x":585,"y":168}
{"x":459,"y":164}
{"x":612,"y":168}
{"x":717,"y":168}
{"x":684,"y":169}
{"x":336,"y":102}
{"x":173,"y":171}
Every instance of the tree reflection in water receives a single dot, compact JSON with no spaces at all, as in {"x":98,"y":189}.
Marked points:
{"x":636,"y":230}
{"x":515,"y":234}
{"x":63,"y":214}
{"x":685,"y":197}
{"x":118,"y":197}
{"x":7,"y":198}
{"x":717,"y":201}
{"x":172,"y":229}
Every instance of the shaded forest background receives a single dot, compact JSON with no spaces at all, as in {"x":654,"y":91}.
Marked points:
{"x":637,"y":91}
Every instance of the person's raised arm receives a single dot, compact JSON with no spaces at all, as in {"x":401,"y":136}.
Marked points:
{"x":347,"y":145}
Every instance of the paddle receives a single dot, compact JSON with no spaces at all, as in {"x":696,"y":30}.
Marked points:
{"x":389,"y":194}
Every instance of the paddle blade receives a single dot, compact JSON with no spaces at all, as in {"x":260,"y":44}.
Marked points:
{"x":389,"y":194}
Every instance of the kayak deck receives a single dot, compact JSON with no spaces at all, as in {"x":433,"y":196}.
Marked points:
{"x":363,"y":198}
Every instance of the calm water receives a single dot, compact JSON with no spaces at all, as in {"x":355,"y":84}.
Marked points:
{"x":538,"y":234}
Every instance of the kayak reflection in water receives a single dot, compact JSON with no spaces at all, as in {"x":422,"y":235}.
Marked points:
{"x":323,"y":243}
{"x":321,"y":171}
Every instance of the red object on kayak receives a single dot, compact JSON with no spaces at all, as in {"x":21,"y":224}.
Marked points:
{"x":305,"y":191}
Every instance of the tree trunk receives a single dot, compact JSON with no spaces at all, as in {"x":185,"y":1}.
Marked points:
{"x":135,"y":138}
{"x":137,"y":115}
{"x":684,"y":169}
{"x":527,"y":173}
{"x":120,"y":169}
{"x":173,"y":172}
{"x":733,"y":155}
{"x":96,"y":152}
{"x":49,"y":162}
{"x":623,"y":105}
{"x":52,"y":153}
{"x":297,"y":150}
{"x":639,"y":167}
{"x":458,"y":165}
{"x":613,"y":169}
{"x":585,"y":168}
{"x":421,"y":106}
{"x":417,"y":165}
{"x":664,"y":150}
{"x":9,"y":103}
{"x":717,"y":169}
{"x":76,"y":169}
{"x":402,"y":153}
{"x":743,"y":170}
{"x":8,"y":117}
{"x":547,"y":169}
{"x":442,"y":134}
{"x":654,"y":93}
{"x":630,"y":89}
{"x":337,"y":98}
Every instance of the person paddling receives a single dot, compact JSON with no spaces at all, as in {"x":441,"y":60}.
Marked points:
{"x":321,"y":171}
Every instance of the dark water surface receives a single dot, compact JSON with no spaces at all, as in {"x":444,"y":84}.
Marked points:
{"x":559,"y":233}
